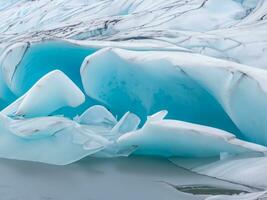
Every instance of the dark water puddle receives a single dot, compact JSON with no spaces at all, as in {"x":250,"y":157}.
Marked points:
{"x":207,"y":190}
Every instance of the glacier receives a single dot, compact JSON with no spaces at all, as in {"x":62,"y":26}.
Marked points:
{"x":182,"y":81}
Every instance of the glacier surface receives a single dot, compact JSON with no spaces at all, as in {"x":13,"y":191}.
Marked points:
{"x":183,"y":80}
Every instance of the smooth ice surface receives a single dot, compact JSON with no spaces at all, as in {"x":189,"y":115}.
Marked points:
{"x":53,"y":91}
{"x":176,"y":138}
{"x":97,"y":115}
{"x":129,"y":122}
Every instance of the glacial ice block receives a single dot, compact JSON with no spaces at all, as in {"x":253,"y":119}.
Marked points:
{"x":98,"y":119}
{"x":59,"y":140}
{"x":40,"y":127}
{"x":53,"y":91}
{"x":144,"y":83}
{"x":52,"y":140}
{"x":97,"y":115}
{"x":177,"y":138}
{"x":129,"y":122}
{"x":242,"y":92}
{"x":192,"y":87}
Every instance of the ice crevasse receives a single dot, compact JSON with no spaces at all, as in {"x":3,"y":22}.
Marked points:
{"x":183,"y":94}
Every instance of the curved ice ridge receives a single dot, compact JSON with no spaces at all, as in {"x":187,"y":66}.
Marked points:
{"x":192,"y":87}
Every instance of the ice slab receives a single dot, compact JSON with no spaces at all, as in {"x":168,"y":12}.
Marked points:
{"x":53,"y":91}
{"x":97,"y":115}
{"x":177,"y":138}
{"x":53,"y":140}
{"x":129,"y":122}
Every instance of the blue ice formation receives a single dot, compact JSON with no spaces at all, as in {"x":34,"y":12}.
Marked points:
{"x":184,"y":80}
{"x":191,"y":87}
{"x":143,"y":82}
